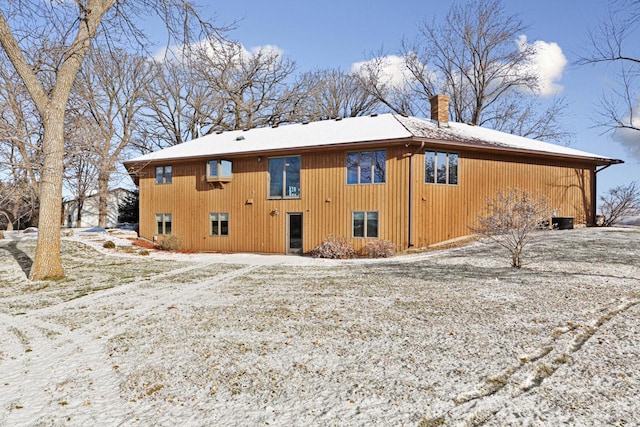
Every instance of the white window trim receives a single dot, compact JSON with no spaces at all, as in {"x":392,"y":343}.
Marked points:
{"x":365,"y":225}
{"x":373,"y":167}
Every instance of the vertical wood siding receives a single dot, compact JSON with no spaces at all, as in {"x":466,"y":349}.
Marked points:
{"x":440,"y":212}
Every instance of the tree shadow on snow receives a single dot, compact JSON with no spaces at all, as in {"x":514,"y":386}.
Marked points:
{"x":24,"y":261}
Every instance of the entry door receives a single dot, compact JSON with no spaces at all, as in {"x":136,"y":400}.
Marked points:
{"x":294,"y":233}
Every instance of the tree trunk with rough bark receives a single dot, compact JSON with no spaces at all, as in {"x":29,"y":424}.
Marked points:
{"x":47,"y":264}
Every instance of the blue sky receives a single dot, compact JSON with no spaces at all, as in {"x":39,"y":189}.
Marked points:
{"x":335,"y":33}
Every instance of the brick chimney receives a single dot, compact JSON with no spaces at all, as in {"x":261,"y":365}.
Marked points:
{"x":440,"y":108}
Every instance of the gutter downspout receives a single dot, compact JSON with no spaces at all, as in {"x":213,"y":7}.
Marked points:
{"x":594,"y":191}
{"x":411,"y":193}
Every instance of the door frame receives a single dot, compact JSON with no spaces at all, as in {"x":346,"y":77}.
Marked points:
{"x":288,"y":249}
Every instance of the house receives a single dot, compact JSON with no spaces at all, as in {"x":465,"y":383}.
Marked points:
{"x":412,"y":181}
{"x":89,"y":212}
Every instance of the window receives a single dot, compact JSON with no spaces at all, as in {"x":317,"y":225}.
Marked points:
{"x":219,"y":224}
{"x":219,"y":170}
{"x":164,"y":174}
{"x":284,"y":178}
{"x":440,"y":168}
{"x":365,"y":224}
{"x":163,"y":223}
{"x":366,"y":167}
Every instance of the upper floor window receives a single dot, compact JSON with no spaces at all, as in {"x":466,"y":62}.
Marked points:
{"x":163,"y":223}
{"x":219,"y":169}
{"x":164,"y":174}
{"x":366,"y":167}
{"x":440,"y":168}
{"x":284,"y":177}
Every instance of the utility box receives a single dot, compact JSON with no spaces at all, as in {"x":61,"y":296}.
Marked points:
{"x":562,"y":222}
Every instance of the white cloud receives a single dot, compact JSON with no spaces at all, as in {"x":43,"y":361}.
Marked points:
{"x":548,"y":63}
{"x":218,"y":48}
{"x":630,"y":138}
{"x":394,"y":72}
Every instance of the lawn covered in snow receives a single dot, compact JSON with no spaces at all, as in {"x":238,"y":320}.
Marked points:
{"x":451,"y":337}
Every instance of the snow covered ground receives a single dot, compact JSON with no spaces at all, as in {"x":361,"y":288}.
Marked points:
{"x":453,"y":337}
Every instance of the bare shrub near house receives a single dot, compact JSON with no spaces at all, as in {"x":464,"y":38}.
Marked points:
{"x":620,"y":201}
{"x":170,"y":243}
{"x":379,"y":249}
{"x":510,"y":218}
{"x":334,"y":248}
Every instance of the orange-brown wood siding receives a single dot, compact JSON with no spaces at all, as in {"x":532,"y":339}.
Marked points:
{"x":440,"y":212}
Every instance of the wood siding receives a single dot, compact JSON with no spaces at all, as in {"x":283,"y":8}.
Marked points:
{"x":440,"y":212}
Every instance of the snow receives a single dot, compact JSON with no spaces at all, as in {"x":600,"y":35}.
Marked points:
{"x":375,"y":128}
{"x":450,"y":337}
{"x":462,"y":132}
{"x":294,"y":136}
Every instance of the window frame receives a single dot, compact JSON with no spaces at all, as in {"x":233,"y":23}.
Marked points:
{"x":373,"y":170}
{"x":219,"y":168}
{"x":283,"y":182}
{"x":219,"y":221}
{"x":365,"y":224}
{"x":165,"y":173}
{"x":164,"y":222}
{"x":450,"y":175}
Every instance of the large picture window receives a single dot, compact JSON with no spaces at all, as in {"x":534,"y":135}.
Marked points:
{"x":366,"y":167}
{"x":163,"y":224}
{"x":219,"y":224}
{"x":440,"y":167}
{"x":284,"y":177}
{"x":365,"y":224}
{"x":164,"y":174}
{"x":219,"y":170}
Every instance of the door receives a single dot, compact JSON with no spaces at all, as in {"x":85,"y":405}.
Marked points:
{"x":294,"y":233}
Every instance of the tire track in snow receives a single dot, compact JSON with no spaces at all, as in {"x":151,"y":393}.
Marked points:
{"x":478,"y":406}
{"x":47,"y":361}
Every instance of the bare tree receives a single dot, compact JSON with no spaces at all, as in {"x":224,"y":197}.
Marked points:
{"x":620,"y":202}
{"x":67,"y":29}
{"x":471,"y":56}
{"x":334,"y":94}
{"x":248,"y":87}
{"x":81,"y":160}
{"x":178,"y":107}
{"x":614,"y":42}
{"x":20,"y":148}
{"x":510,"y":218}
{"x":110,"y":87}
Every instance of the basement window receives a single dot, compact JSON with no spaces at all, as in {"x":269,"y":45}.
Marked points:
{"x":365,"y":224}
{"x":219,"y":224}
{"x":366,"y":167}
{"x":440,"y":167}
{"x":163,"y":224}
{"x":219,"y":170}
{"x":164,"y":174}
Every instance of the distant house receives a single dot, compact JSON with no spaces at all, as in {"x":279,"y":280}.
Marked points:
{"x":89,"y":213}
{"x":412,"y":181}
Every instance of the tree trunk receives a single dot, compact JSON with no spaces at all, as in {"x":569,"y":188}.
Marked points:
{"x":103,"y":195}
{"x":47,"y":264}
{"x":79,"y":206}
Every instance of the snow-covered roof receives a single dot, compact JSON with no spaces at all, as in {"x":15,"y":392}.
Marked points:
{"x":374,"y":128}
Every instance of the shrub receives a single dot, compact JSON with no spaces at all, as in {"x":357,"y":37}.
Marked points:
{"x":510,"y":218}
{"x":144,"y":252}
{"x":109,"y":245}
{"x":170,"y":243}
{"x":620,"y":201}
{"x":379,"y":249}
{"x":334,"y":248}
